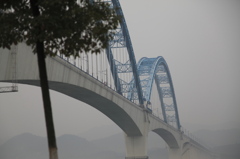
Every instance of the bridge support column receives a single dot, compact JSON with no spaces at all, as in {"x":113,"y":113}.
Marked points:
{"x":136,"y":147}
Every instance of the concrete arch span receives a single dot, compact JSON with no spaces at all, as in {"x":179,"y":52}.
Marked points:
{"x":69,"y":80}
{"x":168,"y":137}
{"x":172,"y":137}
{"x":186,"y":148}
{"x":105,"y":106}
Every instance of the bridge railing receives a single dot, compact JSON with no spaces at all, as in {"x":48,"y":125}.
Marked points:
{"x":95,"y":65}
{"x":195,"y":139}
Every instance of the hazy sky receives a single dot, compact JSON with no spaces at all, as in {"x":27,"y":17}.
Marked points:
{"x":199,"y":39}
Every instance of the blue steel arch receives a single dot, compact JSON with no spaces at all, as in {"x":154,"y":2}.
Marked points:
{"x":140,"y":87}
{"x":125,"y":41}
{"x":151,"y":69}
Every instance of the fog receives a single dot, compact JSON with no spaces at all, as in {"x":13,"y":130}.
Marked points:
{"x":200,"y":40}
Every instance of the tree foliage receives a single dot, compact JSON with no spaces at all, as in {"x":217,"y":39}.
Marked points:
{"x":67,"y":27}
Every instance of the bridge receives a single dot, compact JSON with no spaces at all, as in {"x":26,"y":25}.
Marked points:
{"x":116,"y":85}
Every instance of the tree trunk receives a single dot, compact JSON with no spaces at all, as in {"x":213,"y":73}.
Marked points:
{"x":46,"y":102}
{"x":45,"y":89}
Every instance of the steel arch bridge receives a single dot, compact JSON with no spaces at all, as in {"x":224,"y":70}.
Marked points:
{"x":130,"y":79}
{"x":143,"y":73}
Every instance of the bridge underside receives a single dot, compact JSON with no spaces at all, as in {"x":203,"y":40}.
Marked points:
{"x":167,"y":137}
{"x":107,"y":107}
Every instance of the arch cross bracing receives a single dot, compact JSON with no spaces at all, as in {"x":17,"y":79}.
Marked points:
{"x":156,"y":69}
{"x":139,"y":88}
{"x":125,"y":66}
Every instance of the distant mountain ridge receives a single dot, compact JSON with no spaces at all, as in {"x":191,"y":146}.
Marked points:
{"x":100,"y":132}
{"x":25,"y":146}
{"x":29,"y":146}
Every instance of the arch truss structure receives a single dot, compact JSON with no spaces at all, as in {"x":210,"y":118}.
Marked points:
{"x":138,"y":86}
{"x":156,"y":69}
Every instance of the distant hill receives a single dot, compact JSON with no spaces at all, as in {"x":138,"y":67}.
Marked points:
{"x":213,"y":137}
{"x":116,"y":142}
{"x":112,"y":143}
{"x":74,"y":147}
{"x":28,"y":146}
{"x":25,"y":146}
{"x":100,"y":132}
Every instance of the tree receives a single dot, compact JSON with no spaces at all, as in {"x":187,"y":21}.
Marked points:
{"x":51,"y":27}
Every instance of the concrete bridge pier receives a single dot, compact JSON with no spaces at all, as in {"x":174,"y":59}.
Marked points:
{"x":136,"y":146}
